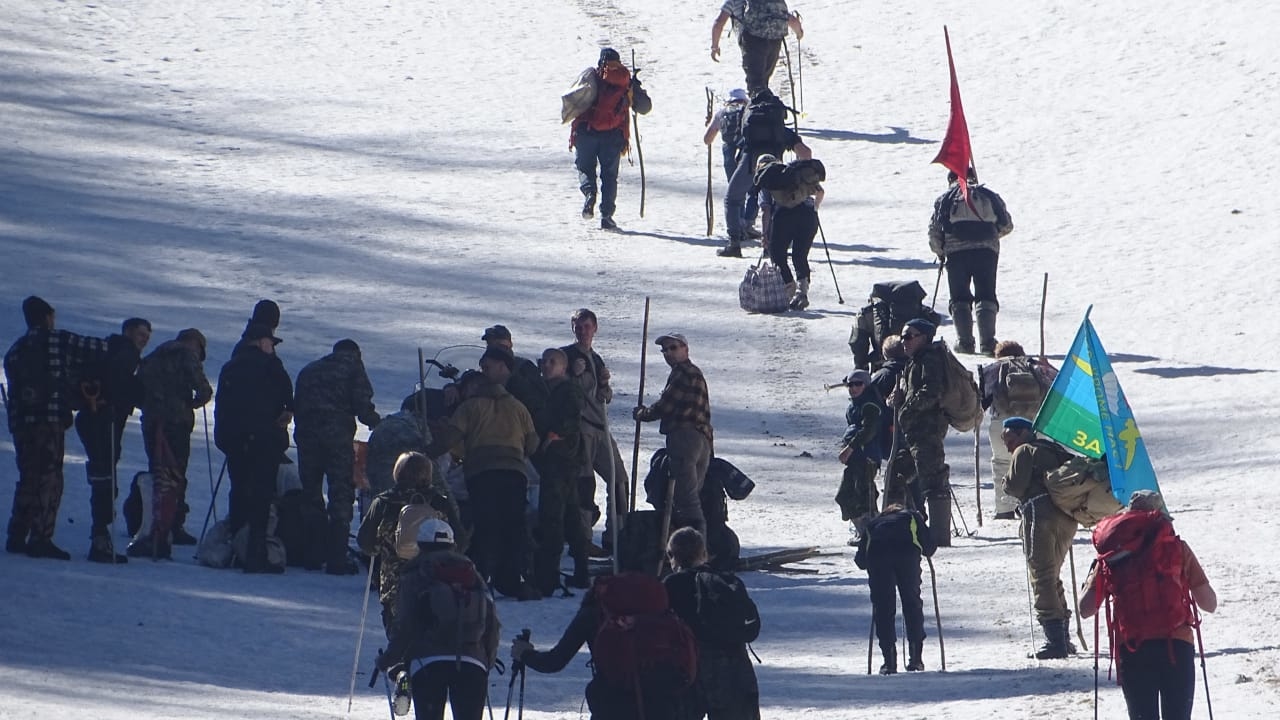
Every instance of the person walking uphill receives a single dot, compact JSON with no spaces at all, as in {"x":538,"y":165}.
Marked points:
{"x":331,"y":394}
{"x":601,"y":134}
{"x":966,"y":236}
{"x":684,"y":410}
{"x":762,"y":26}
{"x":890,"y":552}
{"x":727,"y":123}
{"x":39,"y":366}
{"x":1046,"y":531}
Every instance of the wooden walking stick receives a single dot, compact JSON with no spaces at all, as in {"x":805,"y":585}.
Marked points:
{"x":710,"y":203}
{"x":1075,"y":597}
{"x":635,"y":132}
{"x":635,"y":448}
{"x":937,"y":615}
{"x":1044,"y":295}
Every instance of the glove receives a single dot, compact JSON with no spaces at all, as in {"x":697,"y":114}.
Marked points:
{"x":519,"y":648}
{"x":635,"y":81}
{"x":638,"y":412}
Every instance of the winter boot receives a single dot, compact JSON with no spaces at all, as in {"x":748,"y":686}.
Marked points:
{"x":986,"y":312}
{"x":800,"y":298}
{"x":340,"y":562}
{"x":102,"y":550}
{"x":939,"y":502}
{"x":914,"y":649}
{"x":1055,"y":640}
{"x":42,"y":548}
{"x":589,"y":207}
{"x":607,"y":223}
{"x":733,"y":248}
{"x":789,"y":291}
{"x":890,"y":666}
{"x":962,"y":318}
{"x":180,"y":534}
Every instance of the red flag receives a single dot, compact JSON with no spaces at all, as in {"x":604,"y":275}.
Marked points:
{"x":956,"y":154}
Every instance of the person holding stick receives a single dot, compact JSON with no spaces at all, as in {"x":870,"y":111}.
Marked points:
{"x":684,"y":412}
{"x":890,"y":552}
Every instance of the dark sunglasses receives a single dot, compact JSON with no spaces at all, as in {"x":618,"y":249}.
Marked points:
{"x":857,"y":383}
{"x":910,"y":336}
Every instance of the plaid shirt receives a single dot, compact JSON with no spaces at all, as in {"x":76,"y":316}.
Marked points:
{"x":683,"y":401}
{"x":45,"y":399}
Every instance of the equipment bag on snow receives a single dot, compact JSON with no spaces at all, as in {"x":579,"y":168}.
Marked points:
{"x":959,"y":402}
{"x":1081,"y":488}
{"x":1141,"y":578}
{"x":452,"y":602}
{"x":726,"y":614}
{"x":639,"y":632}
{"x":762,"y":289}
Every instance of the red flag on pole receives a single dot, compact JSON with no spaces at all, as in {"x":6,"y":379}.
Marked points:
{"x":956,"y":154}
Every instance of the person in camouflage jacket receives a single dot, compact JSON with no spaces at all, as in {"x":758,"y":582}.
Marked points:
{"x":377,"y":534}
{"x":923,"y":425}
{"x":328,"y":393}
{"x":173,"y":385}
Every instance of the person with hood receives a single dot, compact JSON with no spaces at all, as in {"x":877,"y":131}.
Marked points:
{"x":494,"y":435}
{"x":40,"y":366}
{"x":862,"y":448}
{"x":890,"y":552}
{"x":965,"y":233}
{"x":447,"y":632}
{"x":251,"y":416}
{"x":330,"y":395}
{"x":601,"y":134}
{"x":173,"y":385}
{"x":108,"y":392}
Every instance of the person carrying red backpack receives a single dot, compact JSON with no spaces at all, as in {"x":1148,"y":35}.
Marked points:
{"x":601,"y":134}
{"x":1150,"y":584}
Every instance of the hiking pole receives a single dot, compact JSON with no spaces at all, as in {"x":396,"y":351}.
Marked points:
{"x":839,"y":297}
{"x":937,"y":614}
{"x":217,"y":486}
{"x":799,"y":64}
{"x":517,"y":669}
{"x":710,"y":204}
{"x":635,"y":448}
{"x":1204,"y":673}
{"x":960,"y":513}
{"x":635,"y":131}
{"x":871,"y":637}
{"x":937,"y":283}
{"x":889,"y":477}
{"x":1075,"y":596}
{"x":791,"y":80}
{"x":1044,"y":296}
{"x":1096,"y":622}
{"x":364,"y":613}
{"x":208,"y":456}
{"x":977,"y":465}
{"x":115,"y":493}
{"x":613,"y":499}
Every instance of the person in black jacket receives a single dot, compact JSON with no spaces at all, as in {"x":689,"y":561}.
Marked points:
{"x":108,"y":393}
{"x":726,"y":686}
{"x":890,"y":552}
{"x":251,"y":420}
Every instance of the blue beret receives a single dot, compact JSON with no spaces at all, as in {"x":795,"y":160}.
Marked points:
{"x":1018,"y":423}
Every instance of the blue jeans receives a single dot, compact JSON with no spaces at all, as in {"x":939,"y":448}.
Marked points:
{"x":752,"y":209}
{"x":736,"y":195}
{"x":604,"y":148}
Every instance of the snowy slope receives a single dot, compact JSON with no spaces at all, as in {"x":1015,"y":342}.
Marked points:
{"x":396,"y":173}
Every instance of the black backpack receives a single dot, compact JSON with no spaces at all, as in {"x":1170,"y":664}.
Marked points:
{"x":894,"y":304}
{"x":764,"y":126}
{"x":731,"y":124}
{"x":726,"y":613}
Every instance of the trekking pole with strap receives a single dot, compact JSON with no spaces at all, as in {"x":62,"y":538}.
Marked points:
{"x":386,"y":684}
{"x":960,"y":514}
{"x":710,"y":204}
{"x":977,"y":464}
{"x":1075,"y":597}
{"x":937,"y":283}
{"x":937,"y":615}
{"x":517,"y":670}
{"x":635,"y":448}
{"x":635,"y":132}
{"x":364,"y":614}
{"x":208,"y":456}
{"x":823,"y":235}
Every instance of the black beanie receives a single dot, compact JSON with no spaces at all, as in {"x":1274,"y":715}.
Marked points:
{"x":267,"y":313}
{"x":36,"y":312}
{"x":607,"y":54}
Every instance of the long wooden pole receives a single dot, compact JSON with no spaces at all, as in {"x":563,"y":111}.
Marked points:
{"x":1044,"y":296}
{"x":635,"y":448}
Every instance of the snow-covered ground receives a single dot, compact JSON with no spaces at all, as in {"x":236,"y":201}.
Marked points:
{"x":396,"y":173}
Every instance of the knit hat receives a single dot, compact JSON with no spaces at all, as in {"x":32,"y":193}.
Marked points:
{"x":607,"y":54}
{"x":435,"y":530}
{"x":346,"y":345}
{"x":497,"y":332}
{"x":738,"y":95}
{"x":1018,"y":423}
{"x":922,"y":326}
{"x":35,"y":311}
{"x":267,"y":313}
{"x":857,"y":376}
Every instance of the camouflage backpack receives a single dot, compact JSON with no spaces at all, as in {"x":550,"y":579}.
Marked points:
{"x":960,"y":403}
{"x":1081,"y":488}
{"x":791,"y":184}
{"x":765,"y":19}
{"x":415,"y":512}
{"x":1018,"y":390}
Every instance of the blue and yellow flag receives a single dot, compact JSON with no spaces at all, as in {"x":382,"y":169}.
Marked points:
{"x":1086,"y":411}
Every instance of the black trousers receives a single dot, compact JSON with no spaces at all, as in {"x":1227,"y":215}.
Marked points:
{"x":463,"y":685}
{"x":559,"y":519}
{"x":252,"y":472}
{"x":793,"y":228}
{"x":500,"y":543}
{"x":898,"y":574}
{"x":972,"y":267}
{"x":1159,"y":680}
{"x":101,"y":434}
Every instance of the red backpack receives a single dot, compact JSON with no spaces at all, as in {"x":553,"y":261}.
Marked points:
{"x":1141,"y":578}
{"x":639,"y":632}
{"x":612,"y":105}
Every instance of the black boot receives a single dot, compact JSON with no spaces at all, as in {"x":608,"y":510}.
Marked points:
{"x":890,"y":666}
{"x":1055,"y":645}
{"x":914,"y":649}
{"x":731,"y":249}
{"x":180,"y":534}
{"x":17,"y":540}
{"x":589,"y":207}
{"x":102,"y":550}
{"x":42,"y":548}
{"x":986,"y":313}
{"x":962,"y":319}
{"x":340,"y":561}
{"x":939,"y":502}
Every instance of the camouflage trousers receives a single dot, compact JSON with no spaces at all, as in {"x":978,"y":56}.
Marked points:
{"x":857,"y":494}
{"x":332,"y":457}
{"x":924,"y":441}
{"x":168,"y":447}
{"x":38,"y":494}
